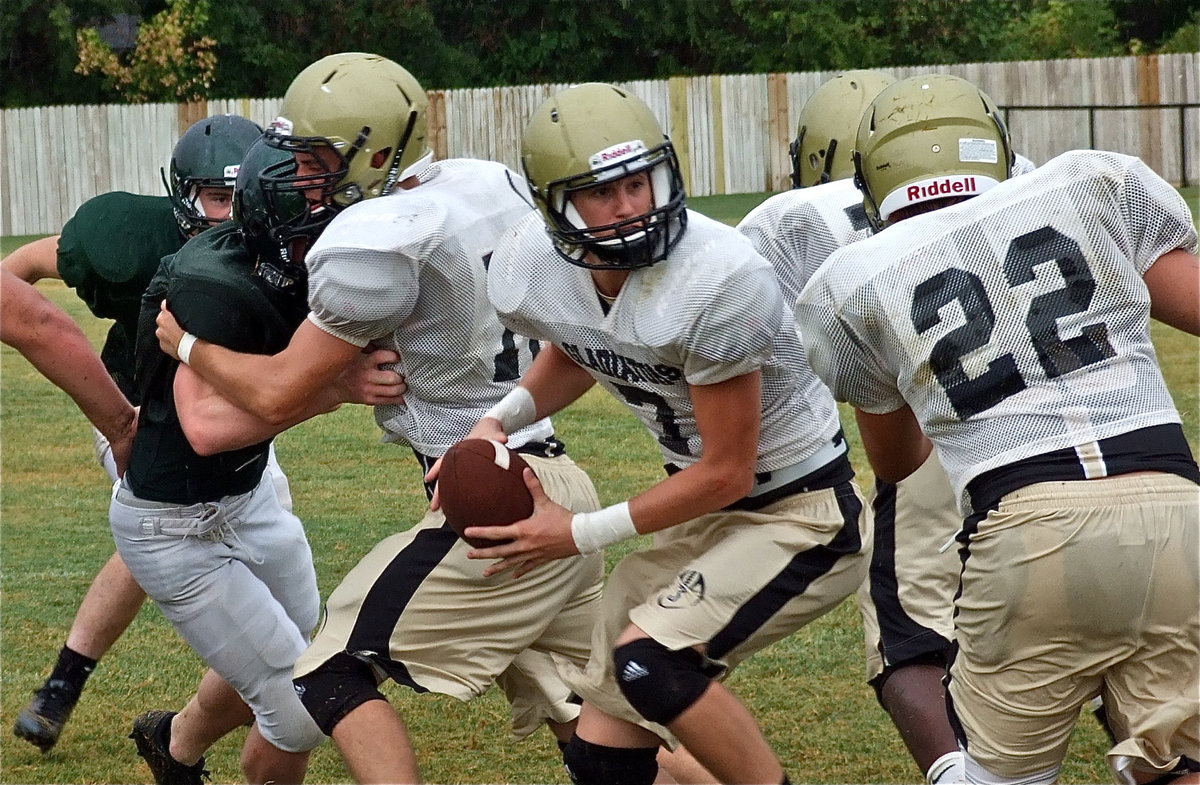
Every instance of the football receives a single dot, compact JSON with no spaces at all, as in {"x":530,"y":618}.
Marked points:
{"x":481,"y":484}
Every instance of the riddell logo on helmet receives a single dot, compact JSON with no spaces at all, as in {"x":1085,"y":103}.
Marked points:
{"x":934,"y":188}
{"x":616,"y":153}
{"x":919,"y":192}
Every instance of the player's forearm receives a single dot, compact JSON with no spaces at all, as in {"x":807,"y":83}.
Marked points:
{"x":213,"y":424}
{"x":701,"y":488}
{"x":249,"y":382}
{"x":63,"y":354}
{"x":210,"y":421}
{"x":555,"y":381}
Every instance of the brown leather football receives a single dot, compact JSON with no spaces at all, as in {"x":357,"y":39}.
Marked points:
{"x":481,"y":484}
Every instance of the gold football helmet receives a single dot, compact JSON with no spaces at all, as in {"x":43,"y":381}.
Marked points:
{"x":597,"y":133}
{"x":828,"y":124}
{"x":928,"y":137}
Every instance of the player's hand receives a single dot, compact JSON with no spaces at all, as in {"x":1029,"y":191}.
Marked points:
{"x":367,"y":381}
{"x":540,"y":538}
{"x":169,"y":332}
{"x":486,"y":428}
{"x":121,"y":444}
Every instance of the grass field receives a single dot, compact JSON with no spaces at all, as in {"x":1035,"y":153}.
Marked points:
{"x":351,"y":490}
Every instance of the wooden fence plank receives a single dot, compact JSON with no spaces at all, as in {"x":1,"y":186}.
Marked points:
{"x":731,"y":132}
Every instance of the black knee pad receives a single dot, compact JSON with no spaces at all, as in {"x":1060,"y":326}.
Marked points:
{"x":341,"y":684}
{"x":661,"y":684}
{"x":596,"y":764}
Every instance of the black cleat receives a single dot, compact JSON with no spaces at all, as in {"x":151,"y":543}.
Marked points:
{"x":166,"y":770}
{"x":41,"y":722}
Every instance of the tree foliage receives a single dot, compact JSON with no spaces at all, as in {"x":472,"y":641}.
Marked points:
{"x":259,"y":45}
{"x":173,"y":59}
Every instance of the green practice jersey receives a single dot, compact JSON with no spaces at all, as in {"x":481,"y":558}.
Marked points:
{"x":107,"y":253}
{"x":212,"y":289}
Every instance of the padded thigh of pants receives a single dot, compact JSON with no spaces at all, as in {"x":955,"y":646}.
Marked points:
{"x":661,"y":684}
{"x":596,"y":764}
{"x":340,"y":685}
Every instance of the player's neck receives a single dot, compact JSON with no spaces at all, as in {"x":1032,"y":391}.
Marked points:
{"x":609,"y":282}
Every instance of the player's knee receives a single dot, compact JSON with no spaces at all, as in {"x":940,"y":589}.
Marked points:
{"x":596,"y":764}
{"x":659,"y":683}
{"x":338,"y":686}
{"x":889,"y":692}
{"x":293,"y":731}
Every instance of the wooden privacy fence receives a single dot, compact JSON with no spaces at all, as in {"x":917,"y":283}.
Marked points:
{"x":732,"y":132}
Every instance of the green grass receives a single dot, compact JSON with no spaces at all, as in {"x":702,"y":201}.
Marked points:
{"x":808,"y":690}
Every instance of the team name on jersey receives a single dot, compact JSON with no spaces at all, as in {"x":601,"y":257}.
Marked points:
{"x":624,"y":368}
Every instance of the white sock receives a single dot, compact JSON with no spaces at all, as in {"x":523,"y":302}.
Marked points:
{"x":946,"y":770}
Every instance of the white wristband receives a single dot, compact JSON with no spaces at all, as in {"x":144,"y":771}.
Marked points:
{"x":184,"y":349}
{"x":595,"y":531}
{"x":515,"y":410}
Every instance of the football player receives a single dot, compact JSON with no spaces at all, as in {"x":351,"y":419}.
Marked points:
{"x":403,"y":266}
{"x":201,"y":526}
{"x":680,"y":319}
{"x":1009,"y":322}
{"x":907,"y":602}
{"x":107,"y":253}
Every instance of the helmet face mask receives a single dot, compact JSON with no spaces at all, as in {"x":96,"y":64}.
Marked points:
{"x":596,"y":134}
{"x":368,"y":111}
{"x":206,"y":156}
{"x":828,"y":123}
{"x":301,"y":204}
{"x":277,"y":224}
{"x":929,"y":137}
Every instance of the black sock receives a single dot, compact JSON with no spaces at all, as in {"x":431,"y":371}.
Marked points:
{"x":73,"y":668}
{"x":786,"y":781}
{"x":162,"y":733}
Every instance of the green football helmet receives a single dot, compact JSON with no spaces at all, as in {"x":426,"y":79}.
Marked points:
{"x":369,"y":111}
{"x":596,"y":133}
{"x":271,"y":221}
{"x":828,"y":123}
{"x":206,"y":156}
{"x":928,"y":137}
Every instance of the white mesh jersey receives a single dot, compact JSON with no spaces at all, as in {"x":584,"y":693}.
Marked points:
{"x":710,"y":312}
{"x":797,"y":230}
{"x":1015,"y":323}
{"x":1021,"y":165}
{"x":408,"y":272}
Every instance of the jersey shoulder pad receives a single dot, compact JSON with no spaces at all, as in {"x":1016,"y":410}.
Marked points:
{"x":118,"y":237}
{"x":215,"y":294}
